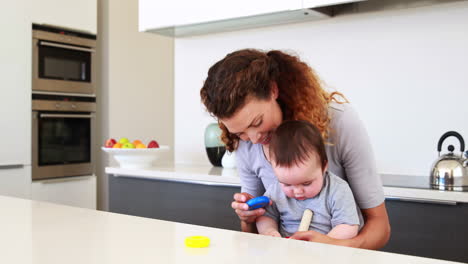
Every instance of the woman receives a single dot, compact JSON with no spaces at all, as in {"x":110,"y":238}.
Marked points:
{"x":251,"y":92}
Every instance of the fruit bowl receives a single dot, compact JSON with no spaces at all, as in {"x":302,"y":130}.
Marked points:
{"x":136,"y":158}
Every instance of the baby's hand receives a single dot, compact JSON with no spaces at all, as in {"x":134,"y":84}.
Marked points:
{"x":273,"y":233}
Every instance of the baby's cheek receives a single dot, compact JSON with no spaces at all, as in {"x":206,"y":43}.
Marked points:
{"x":286,"y":191}
{"x":313,"y":191}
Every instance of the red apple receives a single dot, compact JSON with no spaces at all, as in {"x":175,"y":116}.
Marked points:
{"x":110,"y":143}
{"x":153,"y":144}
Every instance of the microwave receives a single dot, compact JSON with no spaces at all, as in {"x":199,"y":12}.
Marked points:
{"x":63,"y":61}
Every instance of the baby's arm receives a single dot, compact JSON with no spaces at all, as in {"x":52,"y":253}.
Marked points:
{"x":267,"y":226}
{"x":345,"y":213}
{"x":344,"y":231}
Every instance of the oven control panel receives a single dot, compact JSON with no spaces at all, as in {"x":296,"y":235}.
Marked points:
{"x":63,"y":106}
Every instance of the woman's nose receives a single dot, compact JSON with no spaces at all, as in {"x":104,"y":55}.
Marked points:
{"x":254,"y":137}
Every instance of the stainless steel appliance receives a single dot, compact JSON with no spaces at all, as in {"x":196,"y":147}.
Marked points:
{"x":62,"y":135}
{"x":450,"y":171}
{"x":63,"y":61}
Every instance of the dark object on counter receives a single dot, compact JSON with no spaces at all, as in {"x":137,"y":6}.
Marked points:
{"x":215,"y":155}
{"x":450,"y":171}
{"x":215,"y":148}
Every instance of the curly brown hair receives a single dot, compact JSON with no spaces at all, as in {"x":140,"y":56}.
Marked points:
{"x":249,"y":73}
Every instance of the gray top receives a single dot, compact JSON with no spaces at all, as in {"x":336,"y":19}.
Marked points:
{"x":350,"y":158}
{"x":334,"y":205}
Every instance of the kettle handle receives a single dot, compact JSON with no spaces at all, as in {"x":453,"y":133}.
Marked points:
{"x":449,"y":134}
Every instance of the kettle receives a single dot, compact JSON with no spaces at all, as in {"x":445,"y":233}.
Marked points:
{"x":450,"y":171}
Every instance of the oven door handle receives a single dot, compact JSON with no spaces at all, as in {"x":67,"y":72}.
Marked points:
{"x":64,"y":116}
{"x":51,"y":44}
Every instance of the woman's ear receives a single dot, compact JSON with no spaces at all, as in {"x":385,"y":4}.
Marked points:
{"x":274,"y":90}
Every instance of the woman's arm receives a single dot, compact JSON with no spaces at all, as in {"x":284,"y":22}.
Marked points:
{"x":344,"y":231}
{"x":374,"y":234}
{"x":251,"y":186}
{"x":376,"y":231}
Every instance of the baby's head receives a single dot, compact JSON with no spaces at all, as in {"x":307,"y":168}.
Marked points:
{"x":298,"y":157}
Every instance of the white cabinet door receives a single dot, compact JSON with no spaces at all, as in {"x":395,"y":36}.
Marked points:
{"x":73,"y":191}
{"x":15,"y":181}
{"x":81,"y":15}
{"x":319,"y":3}
{"x":15,"y":83}
{"x":154,"y":14}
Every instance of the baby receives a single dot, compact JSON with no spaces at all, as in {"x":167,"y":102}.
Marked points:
{"x":298,"y":157}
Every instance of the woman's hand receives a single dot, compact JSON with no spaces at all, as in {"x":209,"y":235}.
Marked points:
{"x":273,"y":233}
{"x":242,"y":209}
{"x":314,"y":236}
{"x":374,"y":234}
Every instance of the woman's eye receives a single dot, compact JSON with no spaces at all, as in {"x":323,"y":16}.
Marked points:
{"x":258,"y":124}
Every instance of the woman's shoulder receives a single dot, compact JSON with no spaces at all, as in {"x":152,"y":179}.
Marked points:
{"x":342,"y":115}
{"x":338,"y":111}
{"x":246,"y":148}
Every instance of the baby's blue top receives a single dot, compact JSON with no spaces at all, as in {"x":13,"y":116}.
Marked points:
{"x":333,"y":206}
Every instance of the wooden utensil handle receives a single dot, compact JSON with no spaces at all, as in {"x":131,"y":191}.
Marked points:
{"x":306,"y":219}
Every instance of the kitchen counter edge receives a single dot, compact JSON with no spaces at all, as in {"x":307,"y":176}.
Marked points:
{"x":228,"y":177}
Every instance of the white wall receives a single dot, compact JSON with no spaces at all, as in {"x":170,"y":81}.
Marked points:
{"x":136,"y":88}
{"x":404,"y":70}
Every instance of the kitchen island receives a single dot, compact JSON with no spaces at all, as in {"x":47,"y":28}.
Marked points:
{"x":45,"y":233}
{"x":425,"y":222}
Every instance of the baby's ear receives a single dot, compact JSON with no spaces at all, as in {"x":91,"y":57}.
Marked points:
{"x":325,"y":168}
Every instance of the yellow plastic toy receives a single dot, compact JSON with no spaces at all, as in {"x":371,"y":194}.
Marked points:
{"x":197,"y":241}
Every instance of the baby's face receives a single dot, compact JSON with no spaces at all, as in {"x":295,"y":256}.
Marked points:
{"x":303,"y":181}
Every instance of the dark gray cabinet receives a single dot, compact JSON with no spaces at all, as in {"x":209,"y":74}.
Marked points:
{"x":428,"y":229}
{"x":419,"y":229}
{"x":182,"y":202}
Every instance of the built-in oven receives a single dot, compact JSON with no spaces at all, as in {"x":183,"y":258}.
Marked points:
{"x":63,"y":61}
{"x":62,"y":135}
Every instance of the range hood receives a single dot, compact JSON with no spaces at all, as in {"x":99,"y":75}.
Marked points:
{"x":277,"y":18}
{"x":316,"y":9}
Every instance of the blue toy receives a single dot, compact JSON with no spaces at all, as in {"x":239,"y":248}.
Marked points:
{"x":258,"y":202}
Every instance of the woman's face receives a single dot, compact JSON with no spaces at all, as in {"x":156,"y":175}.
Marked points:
{"x":256,"y":120}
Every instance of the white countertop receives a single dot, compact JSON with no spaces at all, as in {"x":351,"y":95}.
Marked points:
{"x":44,"y":233}
{"x":229,"y":177}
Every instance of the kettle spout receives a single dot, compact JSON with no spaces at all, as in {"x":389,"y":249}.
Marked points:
{"x":465,"y":162}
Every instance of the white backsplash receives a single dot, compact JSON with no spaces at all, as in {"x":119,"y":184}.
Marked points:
{"x":405,"y":71}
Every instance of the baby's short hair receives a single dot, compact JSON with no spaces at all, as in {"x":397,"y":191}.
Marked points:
{"x":294,"y":142}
